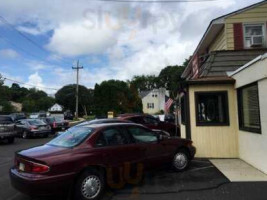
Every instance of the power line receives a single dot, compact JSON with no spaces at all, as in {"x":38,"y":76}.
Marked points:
{"x":22,"y":49}
{"x":5,"y":21}
{"x":155,"y":1}
{"x":31,"y":85}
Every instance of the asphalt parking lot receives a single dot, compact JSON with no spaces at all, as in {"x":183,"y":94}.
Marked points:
{"x":201,"y":181}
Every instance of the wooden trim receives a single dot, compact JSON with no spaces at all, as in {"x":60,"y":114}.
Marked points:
{"x":240,"y":110}
{"x":206,"y":82}
{"x":226,"y":123}
{"x":188,"y":120}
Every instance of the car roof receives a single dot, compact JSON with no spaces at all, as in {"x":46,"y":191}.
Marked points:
{"x":134,"y":115}
{"x":106,"y":125}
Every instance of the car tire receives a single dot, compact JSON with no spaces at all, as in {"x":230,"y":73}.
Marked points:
{"x":45,"y":136}
{"x":181,"y":160}
{"x":11,"y":140}
{"x":24,"y":135}
{"x":89,"y":186}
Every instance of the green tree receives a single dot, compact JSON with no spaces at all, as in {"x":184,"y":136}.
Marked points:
{"x":143,"y":82}
{"x":116,"y":96}
{"x":66,"y":97}
{"x":170,"y":78}
{"x":29,"y":106}
{"x":45,"y":103}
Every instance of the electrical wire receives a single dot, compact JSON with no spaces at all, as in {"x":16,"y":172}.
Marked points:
{"x":5,"y":21}
{"x":31,"y":85}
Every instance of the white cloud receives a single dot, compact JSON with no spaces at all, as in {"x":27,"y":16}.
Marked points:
{"x":8,"y":53}
{"x":78,"y":39}
{"x":35,"y":80}
{"x":38,"y":65}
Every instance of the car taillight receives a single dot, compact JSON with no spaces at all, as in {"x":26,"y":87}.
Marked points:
{"x":54,"y":125}
{"x":30,"y":167}
{"x":33,"y":128}
{"x":39,"y":168}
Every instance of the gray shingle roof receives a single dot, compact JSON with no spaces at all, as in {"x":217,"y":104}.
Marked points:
{"x":220,"y":62}
{"x":142,"y":94}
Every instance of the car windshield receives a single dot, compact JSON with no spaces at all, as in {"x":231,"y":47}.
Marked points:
{"x":36,"y":122}
{"x":72,"y":137}
{"x":58,"y":119}
{"x":50,"y":120}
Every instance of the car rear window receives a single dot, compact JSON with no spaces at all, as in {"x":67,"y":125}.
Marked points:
{"x":5,"y":119}
{"x":72,"y":137}
{"x":36,"y":122}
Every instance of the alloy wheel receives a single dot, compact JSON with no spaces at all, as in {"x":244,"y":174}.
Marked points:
{"x":91,"y":187}
{"x":180,"y":161}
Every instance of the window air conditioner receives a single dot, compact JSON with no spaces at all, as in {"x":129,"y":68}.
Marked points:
{"x":256,"y":41}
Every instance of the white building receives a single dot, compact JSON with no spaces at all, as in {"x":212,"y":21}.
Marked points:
{"x":56,"y":108}
{"x":154,"y":100}
{"x":251,"y":87}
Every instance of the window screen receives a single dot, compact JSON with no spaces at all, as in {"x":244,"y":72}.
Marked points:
{"x":249,"y":109}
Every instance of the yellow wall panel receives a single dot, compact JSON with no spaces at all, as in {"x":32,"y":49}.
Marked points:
{"x":215,"y":141}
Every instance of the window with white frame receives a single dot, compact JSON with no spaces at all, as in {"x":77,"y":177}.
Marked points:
{"x":254,"y":35}
{"x":150,"y":105}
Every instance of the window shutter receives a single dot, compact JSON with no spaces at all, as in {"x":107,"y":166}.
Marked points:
{"x":238,"y":36}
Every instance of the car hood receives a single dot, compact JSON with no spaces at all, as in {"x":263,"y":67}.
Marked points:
{"x":43,"y":151}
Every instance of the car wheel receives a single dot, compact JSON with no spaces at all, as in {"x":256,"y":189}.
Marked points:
{"x":45,"y":136}
{"x":10,"y":140}
{"x":90,"y":185}
{"x":24,"y":135}
{"x":181,"y":160}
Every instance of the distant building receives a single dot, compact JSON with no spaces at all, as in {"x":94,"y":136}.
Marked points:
{"x":154,"y":100}
{"x":17,"y":106}
{"x":56,"y":108}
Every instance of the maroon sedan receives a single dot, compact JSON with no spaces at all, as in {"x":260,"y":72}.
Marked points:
{"x":80,"y":159}
{"x":151,"y":122}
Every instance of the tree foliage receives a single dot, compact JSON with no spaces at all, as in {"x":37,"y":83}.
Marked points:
{"x":66,"y":97}
{"x":116,"y":96}
{"x":32,"y":100}
{"x":170,"y":78}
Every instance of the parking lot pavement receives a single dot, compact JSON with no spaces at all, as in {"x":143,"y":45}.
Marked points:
{"x":6,"y":161}
{"x":201,"y":181}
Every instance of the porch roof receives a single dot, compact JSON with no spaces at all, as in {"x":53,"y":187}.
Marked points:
{"x":219,"y":63}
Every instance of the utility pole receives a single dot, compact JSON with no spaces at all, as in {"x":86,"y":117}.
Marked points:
{"x":77,"y":68}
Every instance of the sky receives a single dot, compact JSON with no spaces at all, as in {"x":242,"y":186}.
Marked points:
{"x":111,"y":40}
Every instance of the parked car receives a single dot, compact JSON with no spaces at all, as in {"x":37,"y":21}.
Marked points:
{"x":7,"y":128}
{"x":103,"y":121}
{"x":32,"y":128}
{"x":68,"y":115}
{"x":56,"y":124}
{"x":115,"y":120}
{"x":37,"y":115}
{"x":151,"y":122}
{"x":79,"y":159}
{"x":169,"y":118}
{"x":17,"y":116}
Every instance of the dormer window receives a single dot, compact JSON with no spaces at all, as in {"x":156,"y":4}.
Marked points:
{"x":254,"y":35}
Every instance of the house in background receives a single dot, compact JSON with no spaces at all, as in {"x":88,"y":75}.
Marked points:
{"x":56,"y":108}
{"x":154,"y":100}
{"x":209,"y":102}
